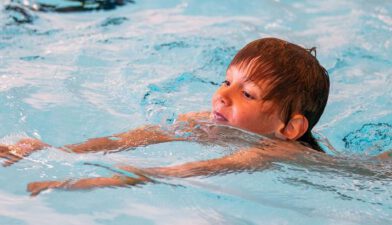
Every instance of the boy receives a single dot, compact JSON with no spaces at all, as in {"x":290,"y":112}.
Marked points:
{"x":273,"y":88}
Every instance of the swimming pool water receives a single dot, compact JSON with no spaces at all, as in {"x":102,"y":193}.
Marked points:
{"x":66,"y":77}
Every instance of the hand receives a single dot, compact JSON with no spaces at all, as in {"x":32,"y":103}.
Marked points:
{"x":36,"y":187}
{"x":23,"y":148}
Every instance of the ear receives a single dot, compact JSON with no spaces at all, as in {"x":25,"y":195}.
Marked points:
{"x":295,"y":128}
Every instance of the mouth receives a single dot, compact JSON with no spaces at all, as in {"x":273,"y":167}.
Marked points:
{"x":219,"y":117}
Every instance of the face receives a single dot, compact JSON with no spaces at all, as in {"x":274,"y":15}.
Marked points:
{"x":238,"y":102}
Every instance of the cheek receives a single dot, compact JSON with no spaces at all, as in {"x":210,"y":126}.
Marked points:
{"x":256,"y":119}
{"x":245,"y":115}
{"x":270,"y":122}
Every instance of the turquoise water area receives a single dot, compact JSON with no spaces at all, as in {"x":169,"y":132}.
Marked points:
{"x":67,"y":77}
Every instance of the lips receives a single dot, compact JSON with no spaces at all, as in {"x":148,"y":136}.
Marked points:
{"x":219,"y":117}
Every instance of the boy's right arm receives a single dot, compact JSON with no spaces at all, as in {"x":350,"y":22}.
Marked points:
{"x":142,"y":136}
{"x":138,"y":137}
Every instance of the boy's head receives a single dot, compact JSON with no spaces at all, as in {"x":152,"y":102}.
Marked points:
{"x":273,"y":87}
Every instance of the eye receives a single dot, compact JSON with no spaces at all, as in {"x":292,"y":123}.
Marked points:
{"x":226,"y":83}
{"x":247,"y":95}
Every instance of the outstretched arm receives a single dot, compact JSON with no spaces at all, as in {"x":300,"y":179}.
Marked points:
{"x":145,"y":135}
{"x":142,"y":136}
{"x":138,"y":137}
{"x":249,"y":159}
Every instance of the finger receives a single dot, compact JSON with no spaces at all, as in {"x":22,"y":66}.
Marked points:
{"x":10,"y":159}
{"x":9,"y":162}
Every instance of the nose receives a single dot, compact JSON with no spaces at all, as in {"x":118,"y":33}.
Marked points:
{"x":223,"y":97}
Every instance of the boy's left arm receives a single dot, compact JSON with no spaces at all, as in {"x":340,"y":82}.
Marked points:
{"x":248,"y":159}
{"x":87,"y":183}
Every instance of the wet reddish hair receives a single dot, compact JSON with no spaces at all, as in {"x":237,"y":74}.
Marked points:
{"x":298,"y":83}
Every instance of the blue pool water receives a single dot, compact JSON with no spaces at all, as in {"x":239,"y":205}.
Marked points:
{"x":66,"y":77}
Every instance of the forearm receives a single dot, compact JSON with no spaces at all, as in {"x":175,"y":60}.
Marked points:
{"x":89,"y":183}
{"x":134,"y":138}
{"x":200,"y":168}
{"x":84,"y":184}
{"x":239,"y":161}
{"x":142,"y":136}
{"x":94,"y":145}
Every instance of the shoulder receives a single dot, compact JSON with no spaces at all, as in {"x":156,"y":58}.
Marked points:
{"x":275,"y":149}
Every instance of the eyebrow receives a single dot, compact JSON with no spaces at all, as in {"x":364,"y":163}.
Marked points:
{"x":256,"y":89}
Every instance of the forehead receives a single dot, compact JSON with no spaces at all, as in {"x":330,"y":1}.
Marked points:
{"x":242,"y":74}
